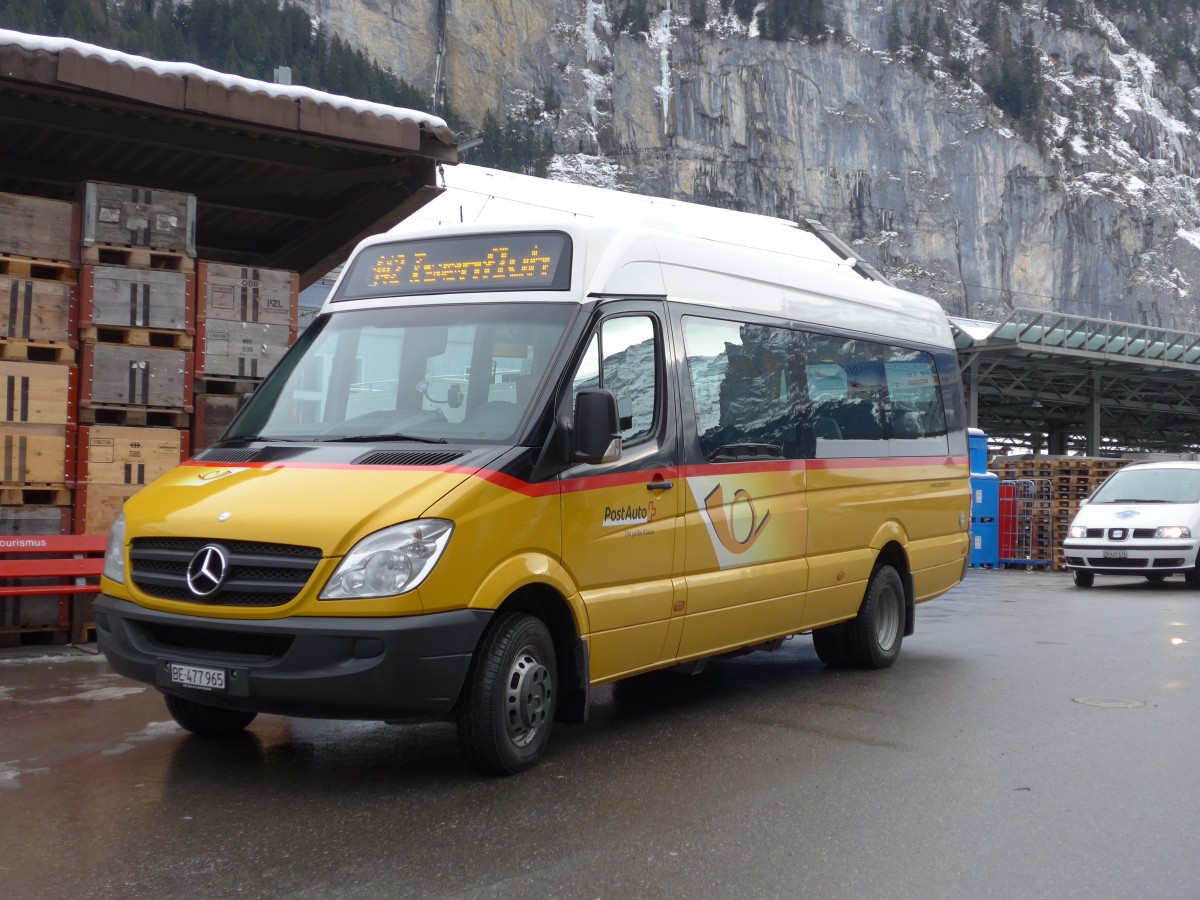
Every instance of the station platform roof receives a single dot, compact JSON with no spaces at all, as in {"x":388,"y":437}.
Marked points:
{"x":1049,"y":373}
{"x":284,"y":176}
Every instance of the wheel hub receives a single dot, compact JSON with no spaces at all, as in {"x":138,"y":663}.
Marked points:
{"x":528,"y":697}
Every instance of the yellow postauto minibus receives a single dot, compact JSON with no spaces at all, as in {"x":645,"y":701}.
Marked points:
{"x":505,"y":465}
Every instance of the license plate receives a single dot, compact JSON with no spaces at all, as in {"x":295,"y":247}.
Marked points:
{"x":1116,"y":554}
{"x":197,"y":677}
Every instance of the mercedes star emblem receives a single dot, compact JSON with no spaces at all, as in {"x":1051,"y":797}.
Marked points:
{"x":207,"y":570}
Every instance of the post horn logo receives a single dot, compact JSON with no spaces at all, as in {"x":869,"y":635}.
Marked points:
{"x":721,"y":515}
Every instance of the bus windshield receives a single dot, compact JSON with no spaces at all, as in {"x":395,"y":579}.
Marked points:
{"x":459,"y":372}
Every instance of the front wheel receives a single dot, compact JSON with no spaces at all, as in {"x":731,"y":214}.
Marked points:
{"x":207,"y":721}
{"x":1082,"y":578}
{"x":1192,"y":578}
{"x":508,"y":701}
{"x":874,"y":636}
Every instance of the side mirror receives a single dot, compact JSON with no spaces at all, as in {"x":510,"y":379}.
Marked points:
{"x":597,"y":427}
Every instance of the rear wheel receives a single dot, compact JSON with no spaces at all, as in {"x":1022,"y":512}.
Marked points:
{"x":874,"y":636}
{"x":508,"y":701}
{"x":208,"y":721}
{"x":1082,"y":578}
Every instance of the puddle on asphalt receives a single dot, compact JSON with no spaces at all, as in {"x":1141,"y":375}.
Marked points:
{"x":1109,"y":702}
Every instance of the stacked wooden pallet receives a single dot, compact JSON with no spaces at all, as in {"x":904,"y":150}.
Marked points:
{"x":246,"y":321}
{"x":137,"y":304}
{"x":39,"y":272}
{"x":1067,"y":480}
{"x":120,"y":353}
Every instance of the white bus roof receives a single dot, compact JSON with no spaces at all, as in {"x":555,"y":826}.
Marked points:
{"x":626,"y":244}
{"x":479,"y":196}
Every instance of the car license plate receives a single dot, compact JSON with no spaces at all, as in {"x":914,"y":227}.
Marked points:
{"x":1116,"y":554}
{"x":197,"y":677}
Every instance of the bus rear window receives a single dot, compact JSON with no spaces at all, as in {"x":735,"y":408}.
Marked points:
{"x":528,"y":261}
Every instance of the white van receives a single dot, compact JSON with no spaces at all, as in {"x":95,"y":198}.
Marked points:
{"x":1143,"y":520}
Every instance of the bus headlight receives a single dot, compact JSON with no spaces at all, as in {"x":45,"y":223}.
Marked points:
{"x":114,"y":551}
{"x":389,"y":562}
{"x":1173,"y":531}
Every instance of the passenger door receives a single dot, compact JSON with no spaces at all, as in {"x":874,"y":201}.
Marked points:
{"x":621,"y":519}
{"x":746,"y":432}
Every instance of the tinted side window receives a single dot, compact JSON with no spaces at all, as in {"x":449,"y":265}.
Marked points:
{"x":847,"y":385}
{"x":918,"y":419}
{"x":747,"y":388}
{"x":622,"y":357}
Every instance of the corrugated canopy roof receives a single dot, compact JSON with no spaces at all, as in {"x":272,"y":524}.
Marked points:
{"x":284,"y":176}
{"x":1042,"y":371}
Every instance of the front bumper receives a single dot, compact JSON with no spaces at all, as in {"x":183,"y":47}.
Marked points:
{"x":1153,"y":557}
{"x":319,"y":667}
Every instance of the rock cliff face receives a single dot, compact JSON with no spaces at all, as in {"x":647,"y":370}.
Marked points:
{"x":1097,"y":214}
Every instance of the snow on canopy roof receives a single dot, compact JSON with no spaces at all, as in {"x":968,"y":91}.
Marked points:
{"x":431,"y":124}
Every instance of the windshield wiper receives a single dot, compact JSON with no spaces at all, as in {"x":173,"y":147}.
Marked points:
{"x":366,"y":438}
{"x":1136,"y":500}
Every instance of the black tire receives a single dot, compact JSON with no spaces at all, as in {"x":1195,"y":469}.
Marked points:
{"x":831,"y":646}
{"x":1083,"y":579}
{"x":874,"y":636}
{"x":1192,"y":577}
{"x":508,"y":702}
{"x":1156,"y":577}
{"x":207,"y":721}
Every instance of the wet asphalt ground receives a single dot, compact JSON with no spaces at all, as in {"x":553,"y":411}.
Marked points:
{"x":1033,"y":740}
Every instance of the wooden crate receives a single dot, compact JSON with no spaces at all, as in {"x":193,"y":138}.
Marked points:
{"x":133,"y":376}
{"x":96,"y":505}
{"x":138,"y":217}
{"x":136,"y":298}
{"x":39,"y":228}
{"x":112,"y":454}
{"x":213,"y":413}
{"x":23,"y":520}
{"x":37,"y":454}
{"x":239,"y":349}
{"x":25,"y":614}
{"x":247,"y":294}
{"x":36,"y":310}
{"x":34,"y":393}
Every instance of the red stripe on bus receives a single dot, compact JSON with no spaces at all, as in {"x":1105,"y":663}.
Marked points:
{"x":619,"y":479}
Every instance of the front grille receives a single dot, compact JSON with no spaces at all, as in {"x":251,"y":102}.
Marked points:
{"x":214,"y":640}
{"x":258,"y":574}
{"x":1102,"y":563}
{"x":1144,"y":532}
{"x":1095,"y":532}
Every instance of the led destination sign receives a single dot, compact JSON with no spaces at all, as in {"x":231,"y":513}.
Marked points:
{"x":537,"y":261}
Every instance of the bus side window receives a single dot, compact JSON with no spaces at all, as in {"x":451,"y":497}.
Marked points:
{"x":622,"y":357}
{"x":848,"y":390}
{"x":746,"y":387}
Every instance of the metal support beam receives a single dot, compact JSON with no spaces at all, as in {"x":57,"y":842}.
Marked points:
{"x":969,"y":383}
{"x":1093,"y":418}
